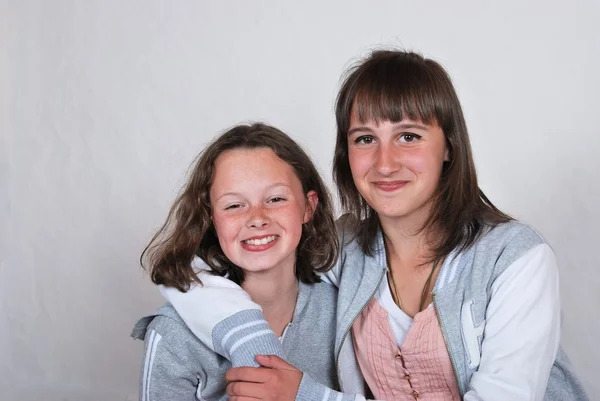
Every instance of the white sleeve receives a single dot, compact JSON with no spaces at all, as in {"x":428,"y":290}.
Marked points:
{"x":203,"y":307}
{"x":218,"y":298}
{"x":522,"y":331}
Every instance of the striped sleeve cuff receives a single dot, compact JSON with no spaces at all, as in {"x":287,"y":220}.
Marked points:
{"x":311,"y":390}
{"x":242,"y":336}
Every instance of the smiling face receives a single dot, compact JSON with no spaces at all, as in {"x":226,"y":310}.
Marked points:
{"x":258,"y":208}
{"x":396,"y":167}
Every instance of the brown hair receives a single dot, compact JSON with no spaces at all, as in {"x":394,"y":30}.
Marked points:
{"x":188,"y":230}
{"x":393,"y":85}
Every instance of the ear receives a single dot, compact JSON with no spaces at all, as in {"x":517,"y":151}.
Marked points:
{"x":312,"y":200}
{"x":447,"y":154}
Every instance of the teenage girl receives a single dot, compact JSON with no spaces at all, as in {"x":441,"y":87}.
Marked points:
{"x":257,"y":212}
{"x":442,"y":296}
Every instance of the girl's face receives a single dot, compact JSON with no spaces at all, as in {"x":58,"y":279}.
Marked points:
{"x":258,"y":208}
{"x":396,"y":167}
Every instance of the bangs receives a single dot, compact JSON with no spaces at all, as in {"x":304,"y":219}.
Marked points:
{"x":394,"y":85}
{"x":384,"y":90}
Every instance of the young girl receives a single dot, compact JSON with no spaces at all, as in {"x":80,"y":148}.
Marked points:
{"x":257,"y":212}
{"x":441,"y":295}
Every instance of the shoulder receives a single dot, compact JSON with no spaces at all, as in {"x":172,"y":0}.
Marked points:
{"x":347,"y":228}
{"x":513,"y":233}
{"x":495,"y":250}
{"x":506,"y":243}
{"x":176,"y":365}
{"x":163,"y":319}
{"x":521,"y":251}
{"x":165,"y":325}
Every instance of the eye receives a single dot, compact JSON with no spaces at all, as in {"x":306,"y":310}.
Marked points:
{"x":408,"y":137}
{"x":364,"y":140}
{"x":233,"y":206}
{"x":276,"y":199}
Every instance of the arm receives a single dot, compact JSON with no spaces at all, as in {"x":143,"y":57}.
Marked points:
{"x":164,"y":377}
{"x":277,"y":380}
{"x":522,"y":331}
{"x":216,"y":307}
{"x":222,"y":315}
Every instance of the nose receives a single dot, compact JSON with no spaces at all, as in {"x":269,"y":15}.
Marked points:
{"x":257,"y":218}
{"x":388,"y":159}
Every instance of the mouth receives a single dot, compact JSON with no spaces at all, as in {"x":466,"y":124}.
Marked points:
{"x":389,"y":186}
{"x":256,"y":244}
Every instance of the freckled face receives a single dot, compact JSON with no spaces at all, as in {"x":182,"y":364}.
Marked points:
{"x":258,"y":208}
{"x":396,"y":167}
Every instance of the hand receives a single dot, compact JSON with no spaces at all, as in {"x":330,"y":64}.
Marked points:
{"x":277,"y":380}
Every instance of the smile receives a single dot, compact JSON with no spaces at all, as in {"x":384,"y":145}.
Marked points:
{"x":389,"y":186}
{"x":260,"y":241}
{"x":259,"y":244}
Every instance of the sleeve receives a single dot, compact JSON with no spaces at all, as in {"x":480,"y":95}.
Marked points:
{"x":522,"y":331}
{"x":204,"y":306}
{"x":219,"y":307}
{"x":236,"y":333}
{"x":164,"y":377}
{"x":223,"y":317}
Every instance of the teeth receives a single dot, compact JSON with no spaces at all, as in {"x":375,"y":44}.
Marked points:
{"x":261,"y":241}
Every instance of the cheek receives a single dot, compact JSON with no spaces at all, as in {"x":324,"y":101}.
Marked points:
{"x":419,"y":166}
{"x":218,"y":224}
{"x":424,"y":165}
{"x":224,"y":228}
{"x":359,"y":164}
{"x":293,"y":219}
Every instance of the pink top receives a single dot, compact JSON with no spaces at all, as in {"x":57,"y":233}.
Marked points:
{"x":421,"y":369}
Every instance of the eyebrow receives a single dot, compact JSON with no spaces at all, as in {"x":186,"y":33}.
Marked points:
{"x":364,"y":128}
{"x":279,"y":184}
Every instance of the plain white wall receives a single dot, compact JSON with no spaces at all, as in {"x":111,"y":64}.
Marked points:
{"x":107,"y":102}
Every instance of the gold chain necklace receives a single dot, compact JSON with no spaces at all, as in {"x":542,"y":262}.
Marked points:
{"x":424,"y":293}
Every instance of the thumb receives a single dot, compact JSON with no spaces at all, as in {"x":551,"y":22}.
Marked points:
{"x":273,"y":362}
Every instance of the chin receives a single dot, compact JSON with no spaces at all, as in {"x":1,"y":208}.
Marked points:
{"x":256,"y":269}
{"x":397,"y":212}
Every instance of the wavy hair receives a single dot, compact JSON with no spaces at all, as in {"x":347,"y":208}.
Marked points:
{"x":188,"y":230}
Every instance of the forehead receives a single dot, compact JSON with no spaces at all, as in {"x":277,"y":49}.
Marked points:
{"x":252,"y":168}
{"x":392,"y":101}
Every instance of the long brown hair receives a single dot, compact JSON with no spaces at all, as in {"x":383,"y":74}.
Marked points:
{"x":392,"y":85}
{"x":188,"y":230}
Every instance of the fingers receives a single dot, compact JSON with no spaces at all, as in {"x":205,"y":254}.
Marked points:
{"x":248,"y":374}
{"x":273,"y":362}
{"x":251,"y":391}
{"x":264,"y":383}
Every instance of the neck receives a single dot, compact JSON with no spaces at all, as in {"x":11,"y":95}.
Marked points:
{"x":405,"y":239}
{"x":276,"y":291}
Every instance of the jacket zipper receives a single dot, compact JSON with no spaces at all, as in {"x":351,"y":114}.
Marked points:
{"x":446,"y":343}
{"x":337,"y":356}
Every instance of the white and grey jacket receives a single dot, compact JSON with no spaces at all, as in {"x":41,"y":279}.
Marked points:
{"x":177,"y":366}
{"x":497,"y":302}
